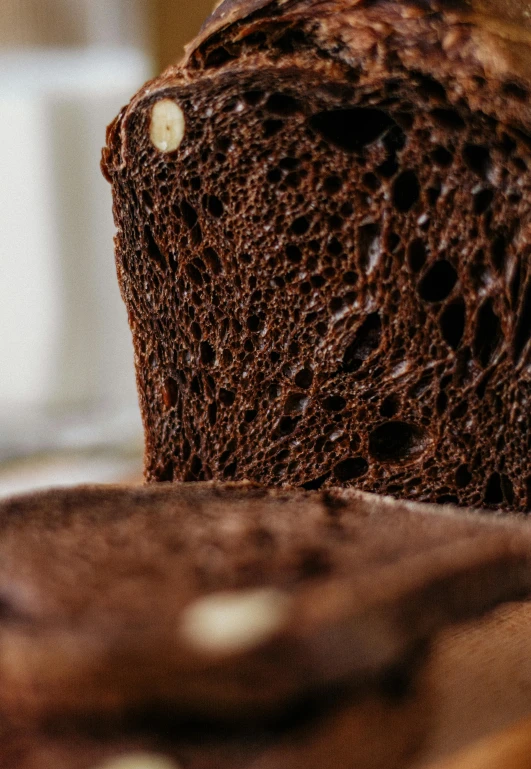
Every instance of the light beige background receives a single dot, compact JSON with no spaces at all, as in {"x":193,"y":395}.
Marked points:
{"x":177,"y":21}
{"x":163,"y":26}
{"x":68,"y":405}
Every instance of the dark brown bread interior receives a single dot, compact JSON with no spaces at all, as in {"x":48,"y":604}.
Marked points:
{"x":328,"y":282}
{"x":94,"y":583}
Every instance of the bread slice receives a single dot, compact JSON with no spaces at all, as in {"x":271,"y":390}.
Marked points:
{"x":323,"y":245}
{"x":231,"y":626}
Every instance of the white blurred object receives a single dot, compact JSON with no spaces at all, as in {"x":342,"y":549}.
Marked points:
{"x":60,"y":471}
{"x":64,"y":342}
{"x":74,"y":22}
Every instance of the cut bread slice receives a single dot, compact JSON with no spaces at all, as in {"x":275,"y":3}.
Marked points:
{"x":323,"y":245}
{"x":232,"y":604}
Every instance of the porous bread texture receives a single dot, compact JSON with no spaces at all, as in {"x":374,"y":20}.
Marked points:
{"x":328,"y":282}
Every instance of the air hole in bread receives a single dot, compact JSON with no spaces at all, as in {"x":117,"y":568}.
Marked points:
{"x":528,"y":492}
{"x":452,"y":322}
{"x":441,"y":403}
{"x":429,"y":88}
{"x":170,"y":392}
{"x":189,"y":214}
{"x":390,"y":406}
{"x":394,"y":442}
{"x":350,"y":469}
{"x":523,"y":329}
{"x":282,"y":104}
{"x":304,"y":378}
{"x":230,"y":470}
{"x":194,"y":274}
{"x":317,"y":483}
{"x":438,"y":282}
{"x":406,"y":191}
{"x":448,"y":119}
{"x":334,"y":403}
{"x":215,"y":206}
{"x":218,"y":57}
{"x":515,"y":91}
{"x":366,"y":341}
{"x":272,"y":127}
{"x":488,"y":334}
{"x":507,"y":489}
{"x":483,"y":200}
{"x":352,"y":129}
{"x":166,"y":473}
{"x":477,"y":158}
{"x":332,"y":184}
{"x":300,"y":226}
{"x":274,"y":176}
{"x":154,"y":252}
{"x":212,"y":260}
{"x":462,"y":477}
{"x":493,"y":492}
{"x":227,"y":397}
{"x":287,"y":425}
{"x":417,"y":254}
{"x":442,"y":157}
{"x":498,"y":251}
{"x":212,"y":413}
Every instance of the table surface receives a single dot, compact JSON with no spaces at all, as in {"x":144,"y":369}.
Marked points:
{"x":69,"y":469}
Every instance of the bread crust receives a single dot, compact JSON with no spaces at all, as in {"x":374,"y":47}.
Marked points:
{"x":502,"y":28}
{"x":500,"y":31}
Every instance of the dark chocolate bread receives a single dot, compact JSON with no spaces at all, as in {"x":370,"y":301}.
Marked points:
{"x":230,"y":627}
{"x":324,"y":248}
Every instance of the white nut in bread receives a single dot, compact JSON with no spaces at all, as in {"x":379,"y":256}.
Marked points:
{"x":167,"y":125}
{"x":228,"y":623}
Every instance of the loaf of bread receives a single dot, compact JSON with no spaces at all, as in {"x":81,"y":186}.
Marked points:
{"x":230,"y":627}
{"x":324,"y":248}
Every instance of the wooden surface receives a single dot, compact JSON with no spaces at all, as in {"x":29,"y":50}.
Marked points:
{"x":45,"y":471}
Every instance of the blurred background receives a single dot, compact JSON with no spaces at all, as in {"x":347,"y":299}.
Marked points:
{"x":68,"y":409}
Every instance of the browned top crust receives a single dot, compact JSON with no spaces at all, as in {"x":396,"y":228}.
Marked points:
{"x":491,"y":38}
{"x":513,"y":13}
{"x":501,"y":27}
